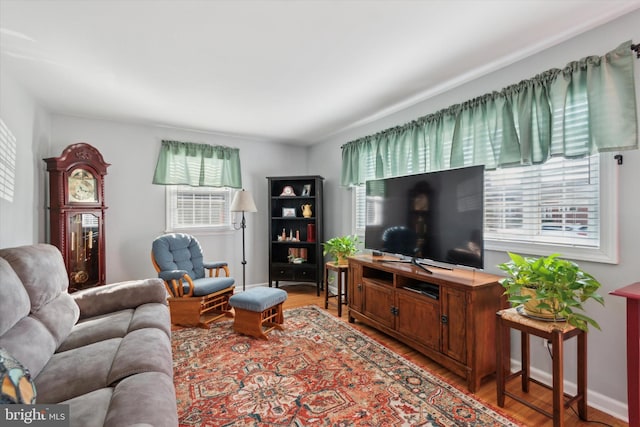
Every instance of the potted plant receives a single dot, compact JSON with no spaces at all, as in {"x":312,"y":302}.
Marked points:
{"x":341,"y":247}
{"x":550,"y":287}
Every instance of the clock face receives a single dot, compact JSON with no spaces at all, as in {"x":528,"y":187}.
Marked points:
{"x":288,"y":191}
{"x":82,"y":187}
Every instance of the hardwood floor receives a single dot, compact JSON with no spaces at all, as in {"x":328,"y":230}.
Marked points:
{"x":305,"y":294}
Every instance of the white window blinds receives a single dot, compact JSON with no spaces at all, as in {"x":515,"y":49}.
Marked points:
{"x":197,"y":207}
{"x":556,"y":203}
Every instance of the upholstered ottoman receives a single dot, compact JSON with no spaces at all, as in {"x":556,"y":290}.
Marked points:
{"x":258,"y":308}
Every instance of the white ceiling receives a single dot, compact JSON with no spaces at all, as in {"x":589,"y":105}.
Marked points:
{"x":289,"y":71}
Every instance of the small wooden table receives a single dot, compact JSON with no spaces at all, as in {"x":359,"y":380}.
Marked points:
{"x":557,"y":333}
{"x":632,"y":294}
{"x":341,"y":272}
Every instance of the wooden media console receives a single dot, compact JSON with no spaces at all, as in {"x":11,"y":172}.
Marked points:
{"x":449,"y":315}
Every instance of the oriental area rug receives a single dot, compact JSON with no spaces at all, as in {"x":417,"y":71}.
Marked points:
{"x":319,"y":371}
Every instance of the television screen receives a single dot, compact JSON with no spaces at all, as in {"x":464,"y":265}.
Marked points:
{"x":435,"y":216}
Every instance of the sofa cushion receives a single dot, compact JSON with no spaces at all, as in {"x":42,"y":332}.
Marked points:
{"x":41,"y":269}
{"x":144,"y":350}
{"x":58,"y":316}
{"x":152,"y":315}
{"x":31,"y":343}
{"x":118,"y":324}
{"x":98,"y":328}
{"x":145,"y":399}
{"x":78,"y":371}
{"x":14,"y":304}
{"x":40,"y":272}
{"x":90,"y":409}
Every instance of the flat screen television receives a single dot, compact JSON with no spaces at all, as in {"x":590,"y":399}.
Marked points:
{"x":436,"y":216}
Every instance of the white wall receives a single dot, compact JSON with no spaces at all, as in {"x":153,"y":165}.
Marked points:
{"x":21,"y":219}
{"x":136,"y":208}
{"x":607,"y":348}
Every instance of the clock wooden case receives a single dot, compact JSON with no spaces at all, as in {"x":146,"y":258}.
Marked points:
{"x":77,"y":212}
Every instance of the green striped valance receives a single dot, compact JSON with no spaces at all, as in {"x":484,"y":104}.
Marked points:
{"x":587,"y":107}
{"x":198,"y":165}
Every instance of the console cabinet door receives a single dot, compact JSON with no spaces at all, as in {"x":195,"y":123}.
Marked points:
{"x":355,"y":291}
{"x":378,"y":302}
{"x":419,"y":319}
{"x":454,"y":330}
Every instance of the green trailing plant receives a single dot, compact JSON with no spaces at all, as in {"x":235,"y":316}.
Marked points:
{"x":341,"y":247}
{"x":560,"y":286}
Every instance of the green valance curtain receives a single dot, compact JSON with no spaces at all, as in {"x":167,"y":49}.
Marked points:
{"x":198,"y":165}
{"x":522,"y":124}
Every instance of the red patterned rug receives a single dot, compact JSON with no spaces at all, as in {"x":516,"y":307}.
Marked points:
{"x":319,"y":371}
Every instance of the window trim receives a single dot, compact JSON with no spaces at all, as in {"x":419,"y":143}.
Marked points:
{"x":170,"y":200}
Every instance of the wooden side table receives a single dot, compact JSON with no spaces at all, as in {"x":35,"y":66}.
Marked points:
{"x":632,"y":294}
{"x":557,"y":333}
{"x":341,"y":273}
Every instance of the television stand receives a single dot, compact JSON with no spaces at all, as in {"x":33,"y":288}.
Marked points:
{"x":448,"y":315}
{"x":415,"y":262}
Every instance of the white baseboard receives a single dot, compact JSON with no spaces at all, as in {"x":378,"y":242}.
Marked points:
{"x":596,"y":400}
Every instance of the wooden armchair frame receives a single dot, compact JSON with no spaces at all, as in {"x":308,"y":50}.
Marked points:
{"x":189,"y":310}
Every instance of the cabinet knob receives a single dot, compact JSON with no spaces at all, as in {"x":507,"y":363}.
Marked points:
{"x":444,"y":319}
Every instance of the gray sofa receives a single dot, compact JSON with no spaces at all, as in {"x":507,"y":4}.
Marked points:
{"x":104,"y":351}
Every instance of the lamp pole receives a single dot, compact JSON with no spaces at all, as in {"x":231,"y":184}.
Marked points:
{"x":243,"y":202}
{"x":243,"y":225}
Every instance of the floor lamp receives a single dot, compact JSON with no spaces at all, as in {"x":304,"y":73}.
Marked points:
{"x":243,"y":202}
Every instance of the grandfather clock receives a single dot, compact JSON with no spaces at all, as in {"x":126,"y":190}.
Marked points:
{"x":76,"y":213}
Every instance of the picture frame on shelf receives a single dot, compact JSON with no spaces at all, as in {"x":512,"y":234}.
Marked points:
{"x":288,"y":212}
{"x":306,"y":190}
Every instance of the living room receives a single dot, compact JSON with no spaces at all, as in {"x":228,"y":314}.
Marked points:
{"x":136,"y":208}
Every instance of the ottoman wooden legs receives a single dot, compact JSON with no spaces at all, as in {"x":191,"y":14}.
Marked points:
{"x":257,"y":308}
{"x":252,"y":322}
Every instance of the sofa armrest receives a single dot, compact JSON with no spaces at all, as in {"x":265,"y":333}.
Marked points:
{"x":119,"y":296}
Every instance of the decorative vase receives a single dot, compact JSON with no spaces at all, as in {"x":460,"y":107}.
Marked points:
{"x":531,"y":306}
{"x":311,"y":232}
{"x":342,"y":260}
{"x":306,"y":211}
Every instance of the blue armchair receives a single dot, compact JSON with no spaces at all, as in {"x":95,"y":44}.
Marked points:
{"x":195,"y":298}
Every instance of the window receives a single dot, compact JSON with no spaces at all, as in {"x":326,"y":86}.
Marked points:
{"x":359,"y":211}
{"x":7,"y":162}
{"x":198,"y":208}
{"x":556,"y":202}
{"x":566,"y":206}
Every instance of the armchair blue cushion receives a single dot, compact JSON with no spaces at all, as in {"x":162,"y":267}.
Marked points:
{"x":179,"y":261}
{"x":180,"y":254}
{"x":179,"y":251}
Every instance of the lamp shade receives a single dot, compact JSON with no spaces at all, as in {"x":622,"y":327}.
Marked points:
{"x":243,"y":202}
